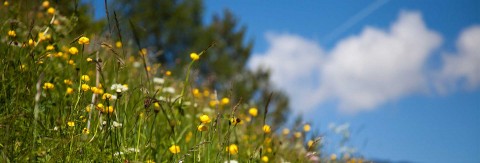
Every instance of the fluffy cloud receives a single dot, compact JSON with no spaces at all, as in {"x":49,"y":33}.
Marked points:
{"x":377,"y":66}
{"x":360,"y":72}
{"x":462,"y":68}
{"x":294,"y":63}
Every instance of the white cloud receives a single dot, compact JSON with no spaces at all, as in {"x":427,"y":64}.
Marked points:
{"x":360,"y":72}
{"x":462,"y":68}
{"x":377,"y":66}
{"x":294,"y":62}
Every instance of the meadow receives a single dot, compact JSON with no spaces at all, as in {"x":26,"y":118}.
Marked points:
{"x":92,"y":98}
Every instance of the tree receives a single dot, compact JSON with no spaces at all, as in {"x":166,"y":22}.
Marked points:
{"x":176,"y":29}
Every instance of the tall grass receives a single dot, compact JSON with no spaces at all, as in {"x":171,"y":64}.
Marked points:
{"x":66,"y":99}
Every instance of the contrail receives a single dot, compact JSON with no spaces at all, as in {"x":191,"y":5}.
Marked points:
{"x":354,"y":20}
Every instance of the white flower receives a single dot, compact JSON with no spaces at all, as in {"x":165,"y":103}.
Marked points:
{"x":119,"y":88}
{"x":116,"y":124}
{"x":114,"y":97}
{"x":231,"y":161}
{"x":55,"y":128}
{"x":137,"y":64}
{"x":170,"y":90}
{"x":158,"y":80}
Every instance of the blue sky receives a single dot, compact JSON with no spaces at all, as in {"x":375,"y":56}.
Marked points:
{"x":405,"y":73}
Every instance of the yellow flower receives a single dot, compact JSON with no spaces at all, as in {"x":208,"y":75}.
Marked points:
{"x":23,"y":67}
{"x":306,"y":127}
{"x":205,"y":119}
{"x":297,"y":134}
{"x":83,"y":40}
{"x":194,"y":56}
{"x":85,"y":131}
{"x":11,"y":33}
{"x":225,"y":101}
{"x":118,"y":44}
{"x":174,"y":149}
{"x":71,"y":123}
{"x":269,"y":150}
{"x":149,"y":68}
{"x":143,"y":52}
{"x":50,"y":47}
{"x":333,"y":157}
{"x":96,"y":90}
{"x":285,"y":131}
{"x":206,"y":93}
{"x":196,"y":92}
{"x":234,"y":121}
{"x":106,"y":96}
{"x":109,"y":109}
{"x":89,"y":59}
{"x":85,"y":87}
{"x":71,"y":62}
{"x":212,"y":103}
{"x":202,"y":127}
{"x":31,"y":42}
{"x":188,"y":137}
{"x":73,"y":50}
{"x":156,"y":105}
{"x":100,"y":106}
{"x":46,"y":4}
{"x":67,"y":82}
{"x":253,"y":111}
{"x":48,"y":86}
{"x":265,"y":159}
{"x":51,"y":10}
{"x":87,"y":109}
{"x":6,"y":3}
{"x":168,"y":73}
{"x":59,"y":54}
{"x":85,"y":78}
{"x":267,"y":129}
{"x":310,"y":143}
{"x":69,"y":91}
{"x":149,"y":161}
{"x":233,"y":149}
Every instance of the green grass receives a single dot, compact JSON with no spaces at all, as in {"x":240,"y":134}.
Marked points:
{"x":158,"y":111}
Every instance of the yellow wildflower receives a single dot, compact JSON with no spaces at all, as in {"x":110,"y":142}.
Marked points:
{"x":333,"y":157}
{"x":96,"y":90}
{"x":100,"y":106}
{"x":202,"y":127}
{"x":174,"y":149}
{"x":31,"y":42}
{"x":89,"y":59}
{"x":59,"y":54}
{"x":71,"y":123}
{"x":85,"y":87}
{"x":67,"y":82}
{"x":12,"y":33}
{"x":213,"y":103}
{"x":306,"y":127}
{"x":253,"y":111}
{"x":6,"y":3}
{"x":83,"y":40}
{"x":143,"y":52}
{"x":73,"y":50}
{"x":232,"y":149}
{"x":23,"y":67}
{"x":196,"y":92}
{"x":88,"y":108}
{"x":109,"y":109}
{"x":225,"y":101}
{"x":69,"y":91}
{"x":267,"y":129}
{"x":234,"y":121}
{"x":265,"y":159}
{"x":85,"y":78}
{"x":194,"y":56}
{"x":85,"y":131}
{"x":51,"y":10}
{"x":168,"y":73}
{"x":297,"y":134}
{"x":106,"y":96}
{"x":48,"y":86}
{"x":189,"y":136}
{"x":285,"y":131}
{"x":205,"y":119}
{"x":46,"y":4}
{"x":71,"y":62}
{"x":310,"y":143}
{"x":206,"y":93}
{"x":50,"y":47}
{"x":118,"y":44}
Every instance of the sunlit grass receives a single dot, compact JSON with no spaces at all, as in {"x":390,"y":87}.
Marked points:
{"x":88,"y":98}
